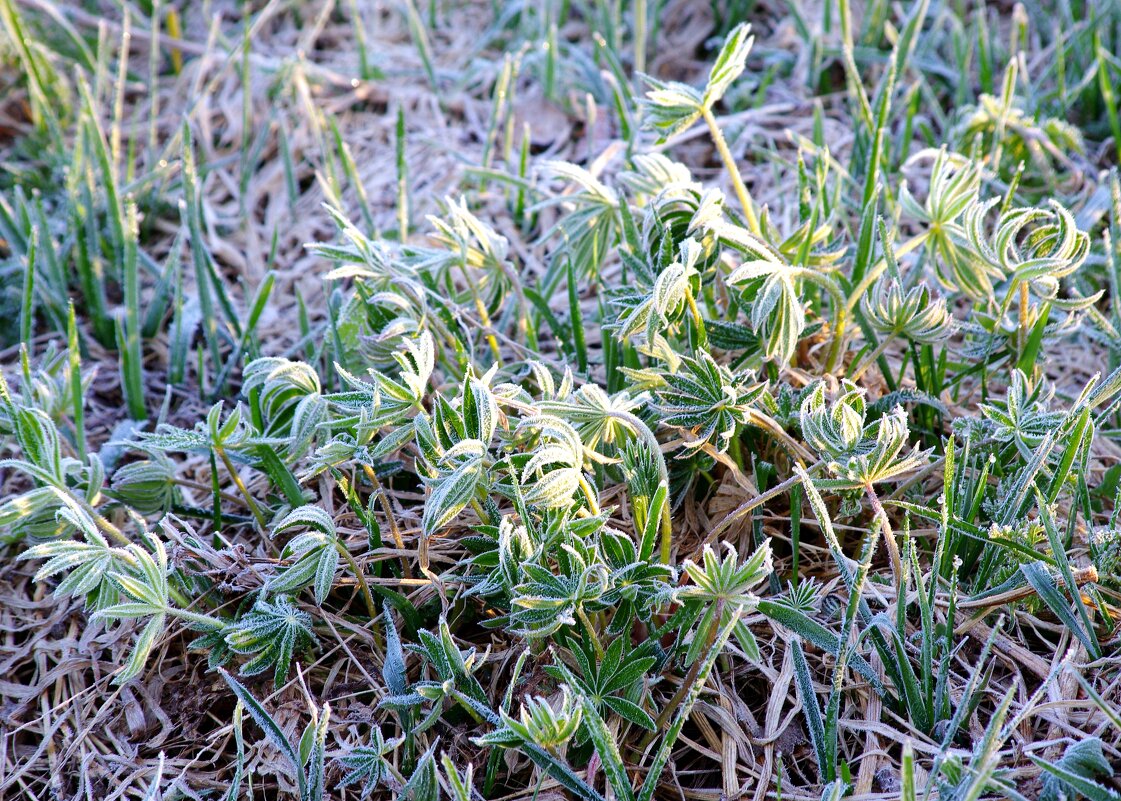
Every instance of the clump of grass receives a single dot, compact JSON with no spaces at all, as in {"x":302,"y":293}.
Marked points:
{"x":611,"y":463}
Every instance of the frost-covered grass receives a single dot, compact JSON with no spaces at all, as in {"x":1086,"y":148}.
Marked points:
{"x":586,"y":399}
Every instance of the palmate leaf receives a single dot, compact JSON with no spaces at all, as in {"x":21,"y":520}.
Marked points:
{"x":613,"y":682}
{"x":539,"y":723}
{"x":911,"y":313}
{"x":671,"y":107}
{"x":1078,"y":769}
{"x":235,"y":434}
{"x":88,"y":565}
{"x":315,"y":561}
{"x":553,"y":473}
{"x":272,"y":632}
{"x":288,"y":395}
{"x":728,"y":581}
{"x":778,"y":317}
{"x":369,"y":764}
{"x":856,"y":454}
{"x":143,"y":582}
{"x":545,"y":602}
{"x":26,"y":505}
{"x":721,"y":591}
{"x":554,"y":489}
{"x":777,"y":314}
{"x":954,"y":184}
{"x":707,"y":397}
{"x":308,"y":516}
{"x":389,"y":401}
{"x":479,"y":406}
{"x":1028,"y":244}
{"x":455,"y":668}
{"x":37,"y":435}
{"x":468,"y":241}
{"x":148,"y":486}
{"x":591,"y":219}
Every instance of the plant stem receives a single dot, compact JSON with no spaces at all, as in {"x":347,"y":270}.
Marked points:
{"x":371,"y":607}
{"x":889,"y":536}
{"x":754,"y":503}
{"x":870,"y":359}
{"x":103,"y":523}
{"x":183,"y":482}
{"x":840,"y":311}
{"x":769,"y":424}
{"x":706,"y":662}
{"x":733,"y":170}
{"x":640,"y":36}
{"x":398,"y":540}
{"x":698,"y":320}
{"x":836,"y":348}
{"x":688,"y":681}
{"x":260,"y":518}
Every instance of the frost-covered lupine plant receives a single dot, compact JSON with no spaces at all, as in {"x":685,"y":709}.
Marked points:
{"x":463,"y":435}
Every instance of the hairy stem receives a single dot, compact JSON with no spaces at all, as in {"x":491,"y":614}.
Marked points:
{"x":840,"y":311}
{"x":870,"y":359}
{"x":688,"y":681}
{"x":889,"y":535}
{"x":371,"y":607}
{"x":754,"y":503}
{"x":260,"y":518}
{"x":734,"y":171}
{"x":398,"y":540}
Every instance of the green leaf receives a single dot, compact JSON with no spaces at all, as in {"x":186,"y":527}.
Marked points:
{"x":1076,"y":770}
{"x":729,"y":65}
{"x":271,"y":728}
{"x":272,"y":632}
{"x":1044,"y":585}
{"x":451,"y":494}
{"x":813,"y":632}
{"x":141,"y":649}
{"x":608,"y":751}
{"x":810,"y":708}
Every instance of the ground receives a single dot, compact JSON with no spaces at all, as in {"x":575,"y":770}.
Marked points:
{"x":391,"y":112}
